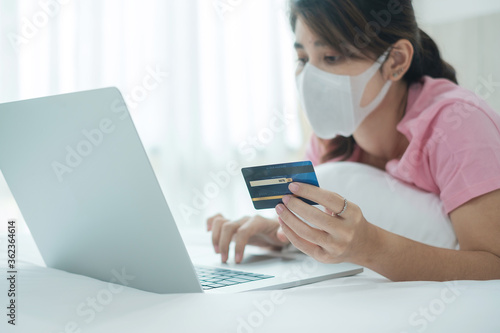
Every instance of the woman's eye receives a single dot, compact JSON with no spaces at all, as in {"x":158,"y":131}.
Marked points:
{"x":332,"y":59}
{"x":302,"y":61}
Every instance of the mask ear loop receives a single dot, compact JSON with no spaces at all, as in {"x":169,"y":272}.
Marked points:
{"x":377,"y":65}
{"x":366,"y":77}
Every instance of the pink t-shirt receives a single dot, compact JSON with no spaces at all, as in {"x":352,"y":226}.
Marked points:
{"x":454,"y":148}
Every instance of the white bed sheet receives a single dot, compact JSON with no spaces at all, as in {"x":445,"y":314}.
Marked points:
{"x":49,"y":299}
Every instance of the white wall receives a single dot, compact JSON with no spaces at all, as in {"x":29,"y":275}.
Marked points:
{"x":441,"y":11}
{"x":472,"y":46}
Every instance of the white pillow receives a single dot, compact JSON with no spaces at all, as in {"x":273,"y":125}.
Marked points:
{"x":389,"y":203}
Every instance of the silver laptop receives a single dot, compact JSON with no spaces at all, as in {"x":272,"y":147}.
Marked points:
{"x":84,"y":184}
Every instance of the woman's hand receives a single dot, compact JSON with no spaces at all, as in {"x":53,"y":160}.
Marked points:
{"x":255,"y":230}
{"x":338,"y":239}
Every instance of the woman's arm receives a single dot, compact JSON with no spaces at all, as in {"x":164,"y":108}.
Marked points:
{"x":477,"y":226}
{"x":351,"y":238}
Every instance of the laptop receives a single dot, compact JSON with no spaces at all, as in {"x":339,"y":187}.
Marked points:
{"x":80,"y":175}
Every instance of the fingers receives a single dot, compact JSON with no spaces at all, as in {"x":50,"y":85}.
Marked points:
{"x":303,"y":245}
{"x":311,"y":214}
{"x":217,"y":223}
{"x":280,"y":234}
{"x":228,"y":229}
{"x":305,"y":231}
{"x":210,"y":221}
{"x":243,"y":234}
{"x":330,"y":200}
{"x":255,"y":230}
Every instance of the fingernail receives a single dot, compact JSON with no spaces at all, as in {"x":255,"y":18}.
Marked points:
{"x":237,"y":258}
{"x":279,"y":209}
{"x":293,"y":187}
{"x":224,"y":258}
{"x":285,"y":199}
{"x":216,"y":247}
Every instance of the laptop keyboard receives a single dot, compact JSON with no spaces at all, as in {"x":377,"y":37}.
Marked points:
{"x":214,"y":277}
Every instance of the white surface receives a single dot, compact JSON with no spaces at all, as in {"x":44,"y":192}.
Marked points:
{"x":441,"y":11}
{"x":49,"y":299}
{"x":389,"y":203}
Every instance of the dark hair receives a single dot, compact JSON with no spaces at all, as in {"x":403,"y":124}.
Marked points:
{"x":370,"y":27}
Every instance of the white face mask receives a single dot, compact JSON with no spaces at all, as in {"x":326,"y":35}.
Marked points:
{"x":332,"y":102}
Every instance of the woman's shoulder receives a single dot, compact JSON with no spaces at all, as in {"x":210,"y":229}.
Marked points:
{"x":454,"y":142}
{"x":428,"y":91}
{"x":443,"y":108}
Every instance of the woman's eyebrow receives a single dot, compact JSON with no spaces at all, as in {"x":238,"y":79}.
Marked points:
{"x":318,"y":43}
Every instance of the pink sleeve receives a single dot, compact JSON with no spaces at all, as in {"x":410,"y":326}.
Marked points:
{"x":465,"y":158}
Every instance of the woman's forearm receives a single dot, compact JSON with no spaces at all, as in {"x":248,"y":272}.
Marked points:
{"x":402,"y":259}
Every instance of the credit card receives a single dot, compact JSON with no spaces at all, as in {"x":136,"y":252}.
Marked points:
{"x":268,"y":184}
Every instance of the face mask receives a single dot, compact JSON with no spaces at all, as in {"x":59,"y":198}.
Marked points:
{"x":332,"y":102}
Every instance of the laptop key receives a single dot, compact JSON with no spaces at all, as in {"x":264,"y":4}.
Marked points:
{"x":211,"y":278}
{"x":217,"y":285}
{"x":237,"y":280}
{"x":229,"y":283}
{"x":213,"y":285}
{"x":255,"y":275}
{"x":251,"y":278}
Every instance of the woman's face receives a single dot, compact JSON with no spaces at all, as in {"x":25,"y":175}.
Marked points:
{"x":311,"y":48}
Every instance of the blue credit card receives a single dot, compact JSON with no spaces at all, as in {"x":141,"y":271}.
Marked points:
{"x":268,"y":184}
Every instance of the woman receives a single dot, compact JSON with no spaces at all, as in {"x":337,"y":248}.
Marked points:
{"x":376,"y":91}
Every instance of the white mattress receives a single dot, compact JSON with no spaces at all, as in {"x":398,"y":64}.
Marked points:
{"x":55,"y":301}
